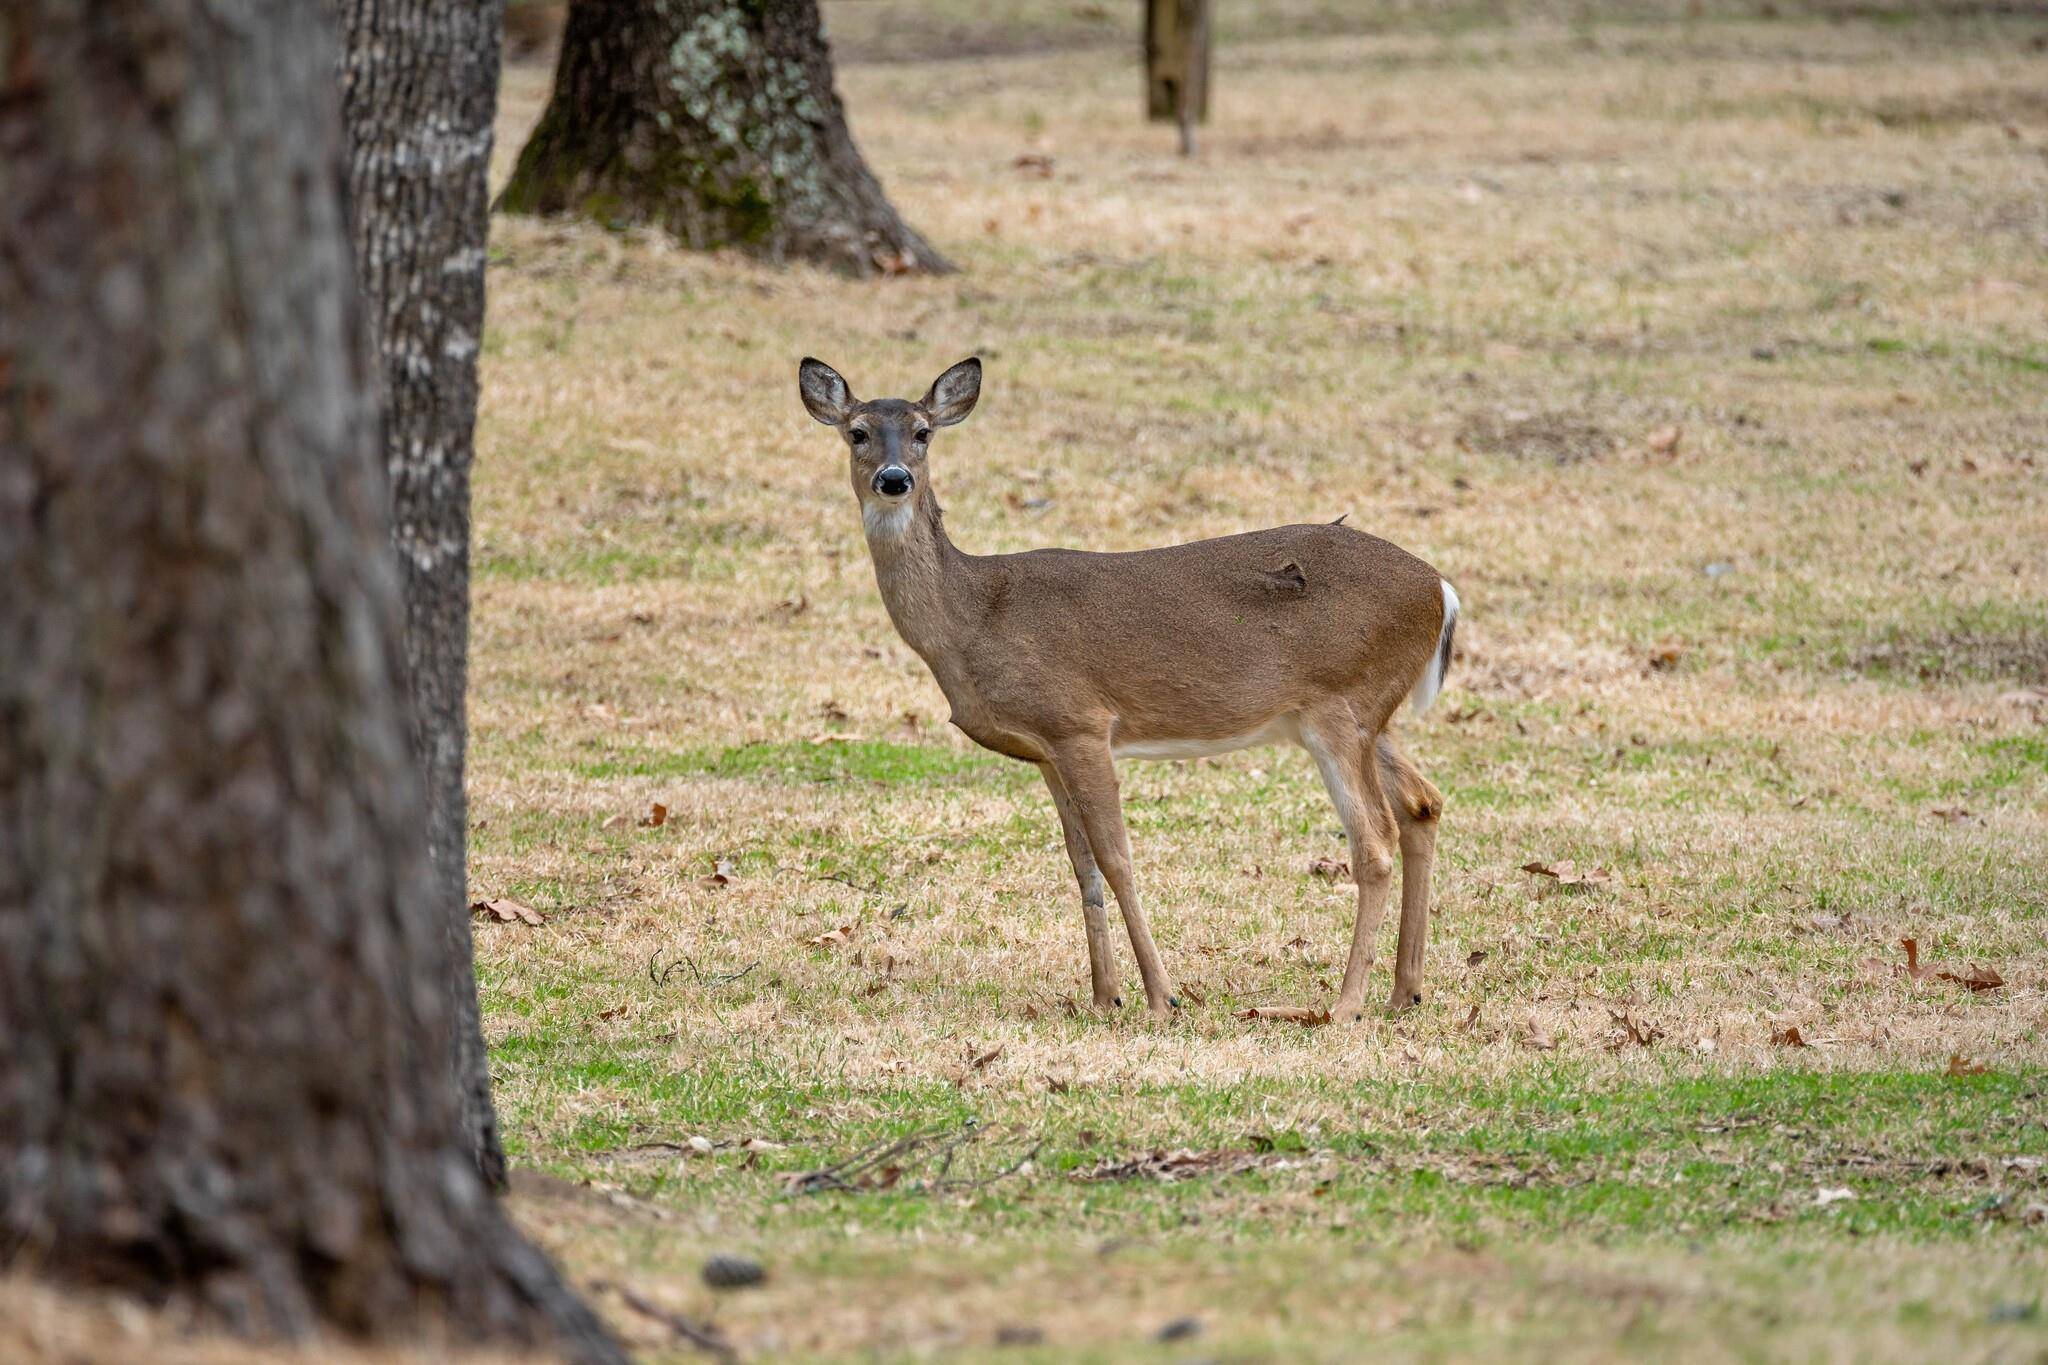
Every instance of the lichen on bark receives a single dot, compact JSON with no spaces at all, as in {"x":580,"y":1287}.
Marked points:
{"x":715,"y":120}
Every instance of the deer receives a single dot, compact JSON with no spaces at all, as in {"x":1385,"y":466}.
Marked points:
{"x":1072,"y":660}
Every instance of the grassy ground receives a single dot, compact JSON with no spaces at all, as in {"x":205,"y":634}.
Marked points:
{"x":1704,"y":354}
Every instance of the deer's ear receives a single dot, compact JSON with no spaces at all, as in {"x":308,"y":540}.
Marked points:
{"x":825,"y":394}
{"x":953,"y":393}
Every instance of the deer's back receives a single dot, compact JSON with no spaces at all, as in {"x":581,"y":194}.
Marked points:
{"x":1230,"y":631}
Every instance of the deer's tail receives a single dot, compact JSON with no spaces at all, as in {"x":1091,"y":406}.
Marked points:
{"x":1432,"y":680}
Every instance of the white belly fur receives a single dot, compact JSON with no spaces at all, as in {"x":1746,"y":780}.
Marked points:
{"x":1279,"y":730}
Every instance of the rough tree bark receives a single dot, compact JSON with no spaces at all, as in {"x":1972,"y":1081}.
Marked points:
{"x":419,"y":86}
{"x":223,"y":967}
{"x":717,"y":120}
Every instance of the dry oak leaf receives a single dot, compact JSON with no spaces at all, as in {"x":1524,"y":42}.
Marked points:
{"x":1330,"y":869}
{"x":1959,"y":1065}
{"x":1976,"y":979}
{"x":833,"y":937}
{"x":722,"y":873}
{"x":1630,"y":1031}
{"x":1537,"y":1038}
{"x":656,"y":817}
{"x":1565,"y":872}
{"x":506,"y":912}
{"x":1789,"y":1036}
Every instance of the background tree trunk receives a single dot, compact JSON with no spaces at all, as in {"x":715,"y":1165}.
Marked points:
{"x":419,"y":92}
{"x":223,"y":965}
{"x":1177,"y":65}
{"x":717,"y":120}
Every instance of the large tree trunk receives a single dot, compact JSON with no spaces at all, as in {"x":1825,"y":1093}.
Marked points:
{"x":224,"y":961}
{"x":419,"y":92}
{"x":717,"y":120}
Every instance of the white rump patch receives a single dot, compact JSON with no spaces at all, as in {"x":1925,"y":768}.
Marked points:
{"x":1432,"y":680}
{"x":885,"y":520}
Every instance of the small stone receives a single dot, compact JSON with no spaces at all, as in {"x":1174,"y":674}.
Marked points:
{"x":1180,"y":1329}
{"x":733,"y":1272}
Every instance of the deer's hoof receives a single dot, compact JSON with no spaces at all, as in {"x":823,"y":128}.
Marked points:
{"x":1403,"y":998}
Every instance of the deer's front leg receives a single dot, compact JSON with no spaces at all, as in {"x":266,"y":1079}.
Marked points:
{"x":1084,"y":769}
{"x":1094,"y":910}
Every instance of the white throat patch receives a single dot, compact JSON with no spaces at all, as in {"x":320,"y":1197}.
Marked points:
{"x":885,"y":521}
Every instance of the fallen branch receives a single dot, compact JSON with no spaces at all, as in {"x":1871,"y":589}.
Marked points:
{"x":705,"y":1337}
{"x":880,"y":1166}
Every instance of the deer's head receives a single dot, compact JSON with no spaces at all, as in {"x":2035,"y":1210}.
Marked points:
{"x":888,"y":438}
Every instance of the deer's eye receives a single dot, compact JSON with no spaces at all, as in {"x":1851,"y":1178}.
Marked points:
{"x":922,"y":436}
{"x":857,"y":436}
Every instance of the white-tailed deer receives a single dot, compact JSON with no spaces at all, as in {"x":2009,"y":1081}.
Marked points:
{"x":1071,"y":660}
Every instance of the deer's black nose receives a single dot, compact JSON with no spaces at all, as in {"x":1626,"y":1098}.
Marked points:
{"x":892,"y":482}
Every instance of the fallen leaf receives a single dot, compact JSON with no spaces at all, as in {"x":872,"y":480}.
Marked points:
{"x":1954,"y":815}
{"x":832,"y":710}
{"x":1565,"y":872}
{"x":1631,"y":1031}
{"x":1036,"y":165}
{"x":616,"y":822}
{"x":1055,"y":1085}
{"x":1662,"y":658}
{"x":1789,"y":1036}
{"x":977,"y":1063}
{"x":1664,"y":440}
{"x":1976,"y":978}
{"x":507,"y":911}
{"x":833,"y":937}
{"x":1839,"y":1194}
{"x":1475,"y":957}
{"x":1471,"y":1020}
{"x":722,"y":873}
{"x":1330,"y":870}
{"x":1537,"y":1038}
{"x":1959,"y":1065}
{"x":656,"y":817}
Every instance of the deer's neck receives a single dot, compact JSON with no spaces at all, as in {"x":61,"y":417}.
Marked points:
{"x":920,"y":574}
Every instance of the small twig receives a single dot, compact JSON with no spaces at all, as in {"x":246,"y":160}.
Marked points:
{"x":707,"y":1339}
{"x":660,"y":978}
{"x":844,"y":880}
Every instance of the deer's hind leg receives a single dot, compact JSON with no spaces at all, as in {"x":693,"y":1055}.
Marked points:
{"x":1417,"y":804}
{"x":1343,"y":757}
{"x":1094,"y":911}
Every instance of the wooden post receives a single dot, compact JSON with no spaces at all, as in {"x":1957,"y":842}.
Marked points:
{"x":1177,"y":65}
